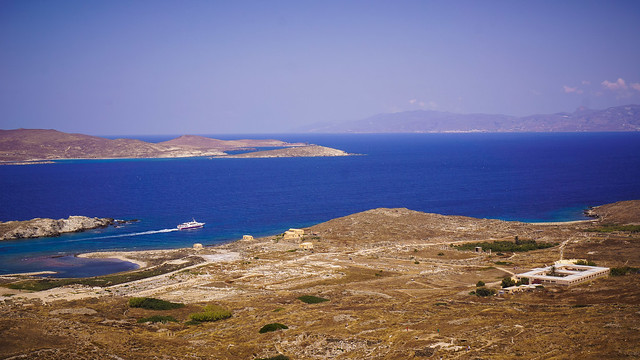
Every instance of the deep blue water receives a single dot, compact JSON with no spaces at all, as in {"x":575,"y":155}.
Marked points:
{"x":528,"y":177}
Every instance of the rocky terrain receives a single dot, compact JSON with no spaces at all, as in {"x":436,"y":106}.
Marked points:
{"x":621,"y":212}
{"x":38,"y":227}
{"x":24,"y":146}
{"x":618,"y":118}
{"x":396,"y":289}
{"x":302,"y":151}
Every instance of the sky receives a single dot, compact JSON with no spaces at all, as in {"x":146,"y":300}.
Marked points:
{"x":218,"y":67}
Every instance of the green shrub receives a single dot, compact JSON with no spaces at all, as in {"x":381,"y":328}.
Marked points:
{"x":211,"y":313}
{"x":153,"y":304}
{"x":483,"y":291}
{"x":158,"y":318}
{"x":272,"y":327}
{"x":507,"y":281}
{"x":480,"y":283}
{"x":309,"y":299}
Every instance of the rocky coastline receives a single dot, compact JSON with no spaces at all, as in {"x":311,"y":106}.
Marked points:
{"x":40,"y":227}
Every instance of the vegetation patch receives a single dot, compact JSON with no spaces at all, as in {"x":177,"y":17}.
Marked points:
{"x":586,"y":262}
{"x":277,"y":357}
{"x":310,"y":299}
{"x":503,"y":263}
{"x":272,"y":327}
{"x":611,"y":228}
{"x":102,"y":281}
{"x":153,"y":304}
{"x":503,"y":245}
{"x":620,"y":271}
{"x":210,"y":313}
{"x":483,"y":291}
{"x":158,"y":318}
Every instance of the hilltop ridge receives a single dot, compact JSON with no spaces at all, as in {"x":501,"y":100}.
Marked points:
{"x":618,"y":118}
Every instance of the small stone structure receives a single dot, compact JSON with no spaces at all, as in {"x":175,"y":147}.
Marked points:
{"x":564,"y":274}
{"x":307,"y":245}
{"x":515,"y":289}
{"x":293,"y":234}
{"x":478,"y":249}
{"x":197,"y":246}
{"x":247,"y":237}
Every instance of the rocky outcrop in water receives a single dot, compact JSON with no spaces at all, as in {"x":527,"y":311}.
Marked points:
{"x":38,"y":227}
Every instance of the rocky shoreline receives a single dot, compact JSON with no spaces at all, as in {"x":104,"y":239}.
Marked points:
{"x":40,"y":227}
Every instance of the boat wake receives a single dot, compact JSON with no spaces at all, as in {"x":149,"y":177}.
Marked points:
{"x":136,"y":234}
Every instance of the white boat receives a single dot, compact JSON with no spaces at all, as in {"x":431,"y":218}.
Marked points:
{"x":190,"y":225}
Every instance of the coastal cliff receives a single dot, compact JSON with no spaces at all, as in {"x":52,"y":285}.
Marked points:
{"x":38,"y":227}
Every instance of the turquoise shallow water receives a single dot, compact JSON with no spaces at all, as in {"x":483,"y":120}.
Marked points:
{"x":528,"y":177}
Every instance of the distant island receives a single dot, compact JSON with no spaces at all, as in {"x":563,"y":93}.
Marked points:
{"x":619,"y":118}
{"x":28,"y":146}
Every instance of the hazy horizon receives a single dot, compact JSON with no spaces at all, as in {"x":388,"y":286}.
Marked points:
{"x":199,"y":67}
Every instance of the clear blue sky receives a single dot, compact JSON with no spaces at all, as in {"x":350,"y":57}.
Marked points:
{"x":206,"y":67}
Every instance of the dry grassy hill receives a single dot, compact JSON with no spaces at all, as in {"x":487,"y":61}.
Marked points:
{"x":396,"y":289}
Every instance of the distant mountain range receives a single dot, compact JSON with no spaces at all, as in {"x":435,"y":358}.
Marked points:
{"x":619,"y":118}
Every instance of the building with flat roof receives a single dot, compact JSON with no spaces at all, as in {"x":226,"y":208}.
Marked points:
{"x":564,"y":274}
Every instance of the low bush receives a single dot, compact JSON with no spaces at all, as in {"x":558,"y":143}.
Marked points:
{"x":483,"y":291}
{"x":506,"y":282}
{"x":158,"y":318}
{"x":309,"y":299}
{"x":153,"y":304}
{"x":272,"y":327}
{"x":211,"y":313}
{"x":480,"y":283}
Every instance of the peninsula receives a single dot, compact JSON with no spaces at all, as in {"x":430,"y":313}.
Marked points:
{"x":379,"y":284}
{"x":38,"y":227}
{"x":24,"y":146}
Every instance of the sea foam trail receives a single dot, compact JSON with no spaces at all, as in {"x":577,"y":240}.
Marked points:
{"x":137,"y":234}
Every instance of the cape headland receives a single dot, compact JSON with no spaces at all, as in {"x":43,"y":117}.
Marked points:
{"x":40,"y":227}
{"x":379,"y":284}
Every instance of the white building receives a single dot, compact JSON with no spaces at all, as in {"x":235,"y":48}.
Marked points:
{"x":564,"y":274}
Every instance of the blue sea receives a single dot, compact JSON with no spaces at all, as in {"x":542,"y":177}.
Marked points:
{"x":524,"y":176}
